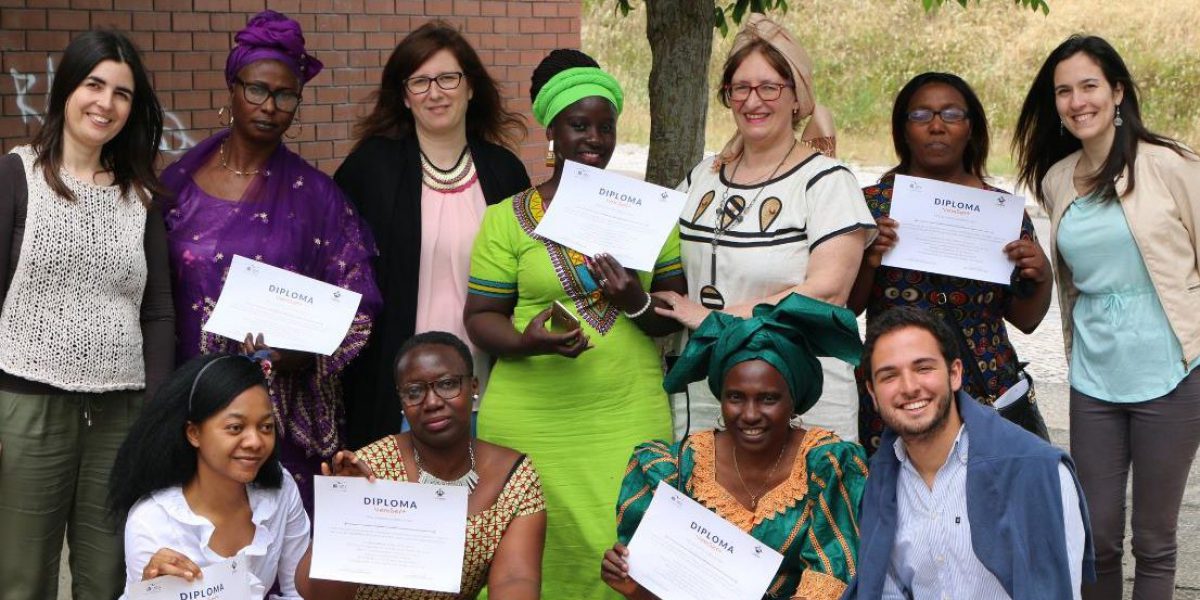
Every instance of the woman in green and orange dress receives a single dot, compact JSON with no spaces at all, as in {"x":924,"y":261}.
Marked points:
{"x":576,"y":402}
{"x":794,"y":488}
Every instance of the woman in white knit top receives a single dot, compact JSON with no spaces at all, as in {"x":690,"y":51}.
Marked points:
{"x":86,"y":322}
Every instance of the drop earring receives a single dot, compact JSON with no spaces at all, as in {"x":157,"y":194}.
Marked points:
{"x":550,"y":154}
{"x":1118,"y":121}
{"x":1060,"y":128}
{"x":299,"y":129}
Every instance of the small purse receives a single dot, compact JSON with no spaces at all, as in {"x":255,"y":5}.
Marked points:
{"x":1023,"y":409}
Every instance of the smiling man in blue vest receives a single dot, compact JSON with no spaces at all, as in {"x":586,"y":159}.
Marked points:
{"x":960,"y":503}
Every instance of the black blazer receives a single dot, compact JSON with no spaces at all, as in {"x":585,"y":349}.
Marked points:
{"x":382,"y":178}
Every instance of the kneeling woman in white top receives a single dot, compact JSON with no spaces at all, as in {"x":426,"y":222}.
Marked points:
{"x":199,"y":480}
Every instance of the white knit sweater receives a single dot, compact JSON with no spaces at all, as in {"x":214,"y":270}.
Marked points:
{"x":72,"y":317}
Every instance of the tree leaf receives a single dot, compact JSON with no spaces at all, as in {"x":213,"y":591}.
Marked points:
{"x":739,"y":10}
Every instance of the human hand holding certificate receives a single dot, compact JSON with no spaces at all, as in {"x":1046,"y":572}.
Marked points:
{"x":389,"y":533}
{"x":954,"y":229}
{"x":683,"y":551}
{"x":228,"y":580}
{"x":597,"y":211}
{"x":292,"y":311}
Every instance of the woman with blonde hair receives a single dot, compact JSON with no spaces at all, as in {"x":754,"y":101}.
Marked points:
{"x":771,"y":214}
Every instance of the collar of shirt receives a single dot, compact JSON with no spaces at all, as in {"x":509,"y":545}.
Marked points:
{"x":959,"y":449}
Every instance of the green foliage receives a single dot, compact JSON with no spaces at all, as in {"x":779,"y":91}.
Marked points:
{"x":1031,"y":4}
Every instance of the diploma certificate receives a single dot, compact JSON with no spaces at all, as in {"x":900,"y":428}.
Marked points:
{"x":597,"y":211}
{"x":389,"y":533}
{"x":291,"y":311}
{"x":227,"y":580}
{"x":954,"y":229}
{"x":683,"y":551}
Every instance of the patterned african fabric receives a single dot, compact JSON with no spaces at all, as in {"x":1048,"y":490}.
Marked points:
{"x":292,"y":216}
{"x":764,"y":238}
{"x":979,"y":307}
{"x":576,"y":418}
{"x":520,"y":496}
{"x":811,"y":518}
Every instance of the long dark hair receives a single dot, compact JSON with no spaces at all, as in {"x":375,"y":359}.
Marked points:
{"x":156,"y":453}
{"x":130,"y":155}
{"x":486,"y":115}
{"x":974,"y":156}
{"x":1039,"y":141}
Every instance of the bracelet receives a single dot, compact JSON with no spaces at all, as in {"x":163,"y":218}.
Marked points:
{"x":641,"y":311}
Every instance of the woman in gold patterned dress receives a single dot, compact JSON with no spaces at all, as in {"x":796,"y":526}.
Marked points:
{"x":793,"y":487}
{"x":506,"y":522}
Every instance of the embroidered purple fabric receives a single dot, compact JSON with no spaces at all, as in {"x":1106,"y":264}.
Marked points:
{"x":291,"y":216}
{"x":271,"y":36}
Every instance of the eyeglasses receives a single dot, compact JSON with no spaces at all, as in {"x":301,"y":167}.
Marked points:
{"x":740,"y":92}
{"x":948,"y":115}
{"x":256,"y":93}
{"x":446,"y":81}
{"x":447,"y":388}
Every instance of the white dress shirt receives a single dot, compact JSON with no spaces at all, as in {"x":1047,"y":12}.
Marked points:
{"x":932,"y":557}
{"x":281,"y":528}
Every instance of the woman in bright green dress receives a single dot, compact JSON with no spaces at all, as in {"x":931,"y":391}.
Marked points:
{"x":796,"y":489}
{"x":576,"y":401}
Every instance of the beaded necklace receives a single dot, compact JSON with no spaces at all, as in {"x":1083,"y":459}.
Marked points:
{"x":448,"y":180}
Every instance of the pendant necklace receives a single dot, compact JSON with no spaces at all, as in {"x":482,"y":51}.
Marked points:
{"x":468,"y":480}
{"x":754,"y":498}
{"x":728,"y":214}
{"x":225,"y":165}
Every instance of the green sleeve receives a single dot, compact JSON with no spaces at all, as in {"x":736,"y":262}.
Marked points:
{"x":494,"y":255}
{"x":668,"y":264}
{"x":651,"y":463}
{"x":837,"y":477}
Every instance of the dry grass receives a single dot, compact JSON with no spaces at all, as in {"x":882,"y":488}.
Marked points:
{"x":864,"y":51}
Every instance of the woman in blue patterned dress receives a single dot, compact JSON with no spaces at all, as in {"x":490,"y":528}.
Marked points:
{"x":940,"y":132}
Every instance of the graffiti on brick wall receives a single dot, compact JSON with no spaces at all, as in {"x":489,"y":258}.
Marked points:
{"x":175,"y":136}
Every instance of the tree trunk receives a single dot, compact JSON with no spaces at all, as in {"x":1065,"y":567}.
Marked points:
{"x":680,"y":34}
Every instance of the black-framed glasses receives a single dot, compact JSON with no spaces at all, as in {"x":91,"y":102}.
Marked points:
{"x":413,"y":393}
{"x":740,"y":92}
{"x":446,"y":81}
{"x":948,"y":115}
{"x":256,"y":93}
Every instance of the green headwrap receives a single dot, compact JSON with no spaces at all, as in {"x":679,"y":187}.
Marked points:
{"x":789,"y":336}
{"x":572,"y":85}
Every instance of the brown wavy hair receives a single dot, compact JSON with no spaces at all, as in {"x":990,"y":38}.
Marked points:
{"x":486,"y":115}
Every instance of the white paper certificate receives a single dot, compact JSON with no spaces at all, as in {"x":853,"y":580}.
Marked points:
{"x":290,"y":310}
{"x":683,"y":551}
{"x":954,"y":229}
{"x":597,"y":211}
{"x":389,"y":533}
{"x":228,"y":580}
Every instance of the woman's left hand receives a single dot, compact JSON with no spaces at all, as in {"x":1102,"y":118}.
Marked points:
{"x":679,"y":307}
{"x":1030,"y":259}
{"x":620,"y":285}
{"x":284,"y":361}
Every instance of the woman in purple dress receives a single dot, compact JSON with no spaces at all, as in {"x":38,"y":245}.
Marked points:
{"x":242,"y":192}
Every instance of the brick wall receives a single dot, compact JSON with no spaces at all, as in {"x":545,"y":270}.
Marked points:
{"x":185,"y":42}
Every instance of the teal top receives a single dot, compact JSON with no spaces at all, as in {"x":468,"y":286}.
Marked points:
{"x":1123,"y":348}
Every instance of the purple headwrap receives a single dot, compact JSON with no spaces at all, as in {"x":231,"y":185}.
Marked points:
{"x":271,"y":36}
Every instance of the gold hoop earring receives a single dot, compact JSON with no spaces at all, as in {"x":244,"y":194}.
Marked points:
{"x":550,"y":154}
{"x":295,"y":120}
{"x":221,"y":113}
